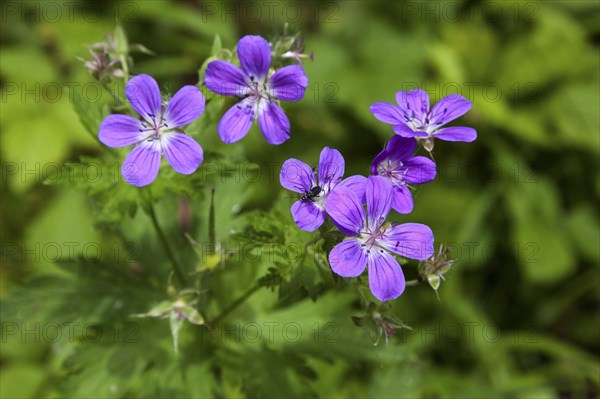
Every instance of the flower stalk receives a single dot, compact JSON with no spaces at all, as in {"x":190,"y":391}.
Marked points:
{"x":177,"y":269}
{"x":235,"y":304}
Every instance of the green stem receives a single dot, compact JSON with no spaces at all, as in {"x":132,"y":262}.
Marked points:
{"x":125,"y":66}
{"x":361,"y":295}
{"x":414,"y":282}
{"x":312,"y":241}
{"x":163,"y":239}
{"x":234,"y":305}
{"x":212,"y":235}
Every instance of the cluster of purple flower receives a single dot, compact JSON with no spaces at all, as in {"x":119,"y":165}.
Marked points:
{"x":372,"y":241}
{"x":158,"y":132}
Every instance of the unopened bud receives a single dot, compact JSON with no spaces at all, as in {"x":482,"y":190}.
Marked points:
{"x":427,"y":143}
{"x":433,"y":269}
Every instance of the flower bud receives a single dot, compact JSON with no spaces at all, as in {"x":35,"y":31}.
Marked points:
{"x":103,"y":65}
{"x":379,"y":323}
{"x":433,"y":269}
{"x":427,"y":143}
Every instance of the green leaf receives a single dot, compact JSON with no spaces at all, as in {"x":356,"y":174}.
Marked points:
{"x":574,"y":112}
{"x":583,"y":226}
{"x":216,"y":47}
{"x":538,"y":242}
{"x":140,"y":48}
{"x":121,"y":44}
{"x":111,"y":197}
{"x":22,"y":381}
{"x":90,"y":114}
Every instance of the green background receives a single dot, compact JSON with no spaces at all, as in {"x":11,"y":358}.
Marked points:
{"x":518,"y":314}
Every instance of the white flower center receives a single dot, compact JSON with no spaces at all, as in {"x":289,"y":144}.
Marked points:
{"x":423,"y":124}
{"x":370,"y":240}
{"x":155,"y":130}
{"x":393,"y":170}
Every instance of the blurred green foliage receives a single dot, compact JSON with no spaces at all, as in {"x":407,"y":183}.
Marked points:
{"x":518,"y":315}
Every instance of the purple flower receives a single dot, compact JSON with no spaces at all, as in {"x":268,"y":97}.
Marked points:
{"x":413,"y":118}
{"x":309,"y":211}
{"x":373,"y":240}
{"x":397,"y":164}
{"x":154,"y":133}
{"x":257,"y":89}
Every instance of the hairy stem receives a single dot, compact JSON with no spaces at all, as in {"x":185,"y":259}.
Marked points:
{"x":212,"y":235}
{"x":163,"y":239}
{"x":410,"y":283}
{"x":125,"y":65}
{"x":235,"y":304}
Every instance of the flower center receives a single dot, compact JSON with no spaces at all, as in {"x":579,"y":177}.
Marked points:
{"x":422,"y":124}
{"x":155,"y":129}
{"x":369,"y":239}
{"x":395,"y":171}
{"x":258,"y":88}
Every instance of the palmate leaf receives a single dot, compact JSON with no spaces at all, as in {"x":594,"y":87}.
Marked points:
{"x":90,"y":292}
{"x":107,"y":352}
{"x":270,"y":280}
{"x":90,"y":114}
{"x":111,"y":197}
{"x":137,"y":362}
{"x":114,"y":365}
{"x":274,"y":373}
{"x":262,"y":229}
{"x":302,"y":343}
{"x":297,"y":265}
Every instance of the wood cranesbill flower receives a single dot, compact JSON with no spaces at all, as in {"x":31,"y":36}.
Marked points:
{"x":253,"y":83}
{"x":157,"y":131}
{"x":309,"y":212}
{"x":413,"y":118}
{"x":397,"y":164}
{"x":373,"y":241}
